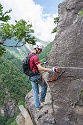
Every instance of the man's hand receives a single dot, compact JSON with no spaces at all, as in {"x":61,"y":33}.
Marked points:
{"x":54,"y":69}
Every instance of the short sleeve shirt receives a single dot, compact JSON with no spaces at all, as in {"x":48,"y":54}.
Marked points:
{"x":34,"y":61}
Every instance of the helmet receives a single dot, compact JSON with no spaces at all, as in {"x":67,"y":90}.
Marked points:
{"x":38,"y":45}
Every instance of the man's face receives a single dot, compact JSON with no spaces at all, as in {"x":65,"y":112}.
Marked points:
{"x":39,"y":51}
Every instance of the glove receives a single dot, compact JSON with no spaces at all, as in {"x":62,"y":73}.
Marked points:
{"x":53,"y":69}
{"x":45,"y":62}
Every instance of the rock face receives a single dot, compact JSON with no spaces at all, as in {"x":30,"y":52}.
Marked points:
{"x":67,"y":51}
{"x":68,"y":44}
{"x":10,"y":108}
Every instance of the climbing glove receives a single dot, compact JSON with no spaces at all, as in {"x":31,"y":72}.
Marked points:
{"x":53,"y":69}
{"x":45,"y":63}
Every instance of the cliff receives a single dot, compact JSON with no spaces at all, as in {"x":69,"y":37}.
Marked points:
{"x":65,"y":106}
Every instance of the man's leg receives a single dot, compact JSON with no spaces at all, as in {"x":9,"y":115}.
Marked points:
{"x":43,"y":90}
{"x":35,"y":95}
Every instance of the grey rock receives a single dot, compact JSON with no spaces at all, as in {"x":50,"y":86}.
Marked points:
{"x":10,"y":108}
{"x":67,"y":51}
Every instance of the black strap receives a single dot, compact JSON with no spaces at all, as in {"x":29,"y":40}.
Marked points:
{"x":31,"y":55}
{"x":29,"y":59}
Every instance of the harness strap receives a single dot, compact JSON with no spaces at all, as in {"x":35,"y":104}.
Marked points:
{"x":56,"y":77}
{"x":29,"y":59}
{"x":53,"y":78}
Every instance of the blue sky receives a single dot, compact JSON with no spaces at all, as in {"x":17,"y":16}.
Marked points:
{"x":50,"y":6}
{"x":40,"y":13}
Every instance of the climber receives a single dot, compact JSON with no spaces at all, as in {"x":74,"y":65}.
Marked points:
{"x":37,"y":79}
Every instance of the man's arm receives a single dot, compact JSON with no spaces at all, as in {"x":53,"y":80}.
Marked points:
{"x":41,"y":68}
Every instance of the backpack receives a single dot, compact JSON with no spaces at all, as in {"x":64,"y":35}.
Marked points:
{"x":26,"y":65}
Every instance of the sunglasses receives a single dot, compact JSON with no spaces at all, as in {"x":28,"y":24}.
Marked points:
{"x":40,"y":49}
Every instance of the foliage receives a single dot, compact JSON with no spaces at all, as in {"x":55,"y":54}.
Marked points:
{"x":2,"y":50}
{"x":22,"y":31}
{"x":43,"y":55}
{"x":3,"y":120}
{"x":3,"y":16}
{"x":81,"y":93}
{"x":13,"y":123}
{"x":7,"y":121}
{"x":56,"y":21}
{"x":54,"y":30}
{"x":12,"y":79}
{"x":81,"y":13}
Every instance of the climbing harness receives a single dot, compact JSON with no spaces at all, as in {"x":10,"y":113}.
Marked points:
{"x":56,"y":76}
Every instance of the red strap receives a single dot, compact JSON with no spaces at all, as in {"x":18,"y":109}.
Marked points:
{"x":57,"y":76}
{"x":53,"y":78}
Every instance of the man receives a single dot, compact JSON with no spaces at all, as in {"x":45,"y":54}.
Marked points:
{"x":37,"y":78}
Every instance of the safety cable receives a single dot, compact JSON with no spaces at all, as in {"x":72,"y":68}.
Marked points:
{"x":63,"y":67}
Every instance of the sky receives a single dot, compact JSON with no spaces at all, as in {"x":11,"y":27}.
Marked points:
{"x":40,"y":13}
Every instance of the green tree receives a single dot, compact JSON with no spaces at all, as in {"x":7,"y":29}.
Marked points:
{"x":21,"y":32}
{"x":56,"y":21}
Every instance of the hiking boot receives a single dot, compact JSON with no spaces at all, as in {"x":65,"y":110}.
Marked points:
{"x":39,"y":109}
{"x":42,"y":101}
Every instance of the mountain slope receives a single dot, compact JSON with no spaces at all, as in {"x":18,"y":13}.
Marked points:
{"x":19,"y":52}
{"x":12,"y":78}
